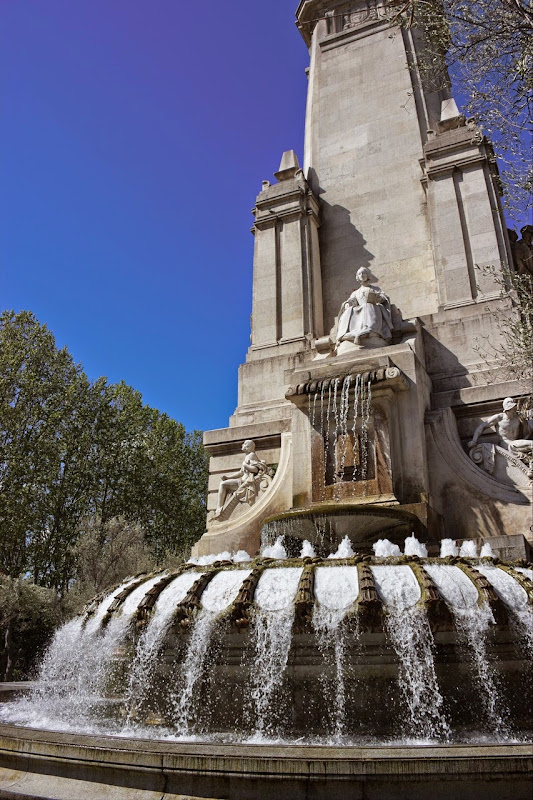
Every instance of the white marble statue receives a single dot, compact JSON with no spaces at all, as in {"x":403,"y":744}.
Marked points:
{"x":365,"y":317}
{"x":510,"y":428}
{"x":515,"y":442}
{"x":244,"y":484}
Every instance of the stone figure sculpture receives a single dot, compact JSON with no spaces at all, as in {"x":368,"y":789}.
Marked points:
{"x":365,"y":317}
{"x":245,"y":485}
{"x":515,"y":438}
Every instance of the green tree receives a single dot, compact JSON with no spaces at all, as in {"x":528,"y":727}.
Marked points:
{"x":28,"y":616}
{"x":45,"y":440}
{"x":76,"y":455}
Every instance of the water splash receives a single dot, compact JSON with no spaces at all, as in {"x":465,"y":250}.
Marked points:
{"x":383,"y":548}
{"x":468,"y":549}
{"x":448,"y":547}
{"x":344,"y":550}
{"x":413,"y":547}
{"x":276,"y":550}
{"x":486,"y":551}
{"x":307,"y":551}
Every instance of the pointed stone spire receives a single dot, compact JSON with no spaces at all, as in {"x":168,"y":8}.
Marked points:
{"x":289,"y":166}
{"x":450,"y":116}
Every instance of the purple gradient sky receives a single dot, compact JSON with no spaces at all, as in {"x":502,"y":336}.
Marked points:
{"x":133,"y":140}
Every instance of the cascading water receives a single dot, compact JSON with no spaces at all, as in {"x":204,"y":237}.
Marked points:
{"x":272,"y":627}
{"x":473,"y":620}
{"x":220,"y":592}
{"x":410,"y":634}
{"x":515,"y":598}
{"x":336,"y":590}
{"x":151,"y":641}
{"x":277,"y":648}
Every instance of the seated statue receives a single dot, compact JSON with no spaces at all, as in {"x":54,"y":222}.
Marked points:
{"x":365,"y":317}
{"x":245,"y":484}
{"x":515,"y":434}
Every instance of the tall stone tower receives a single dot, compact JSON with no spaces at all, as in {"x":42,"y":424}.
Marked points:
{"x":397,"y":188}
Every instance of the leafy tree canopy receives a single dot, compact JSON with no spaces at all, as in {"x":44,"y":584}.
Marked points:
{"x":76,"y":454}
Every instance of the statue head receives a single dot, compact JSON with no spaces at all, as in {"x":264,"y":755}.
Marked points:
{"x":248,"y":446}
{"x":508,"y":404}
{"x":362,"y":274}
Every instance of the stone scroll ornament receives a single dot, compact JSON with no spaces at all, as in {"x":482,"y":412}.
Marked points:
{"x":243,"y":488}
{"x":515,"y":446}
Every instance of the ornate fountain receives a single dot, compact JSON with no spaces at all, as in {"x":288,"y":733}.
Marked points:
{"x":358,"y":614}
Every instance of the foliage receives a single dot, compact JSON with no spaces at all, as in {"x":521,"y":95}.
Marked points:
{"x":28,"y":617}
{"x":488,"y":50}
{"x":75,"y":455}
{"x":514,"y":349}
{"x":107,"y":553}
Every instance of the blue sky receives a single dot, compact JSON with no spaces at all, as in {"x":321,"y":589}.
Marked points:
{"x":134,"y":136}
{"x":133,"y":140}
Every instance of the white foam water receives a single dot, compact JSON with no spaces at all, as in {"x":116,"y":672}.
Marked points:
{"x":307,"y":551}
{"x":344,"y":550}
{"x":412,"y":547}
{"x":272,"y":627}
{"x":448,"y":547}
{"x":383,"y":548}
{"x":515,"y":598}
{"x":275,"y":550}
{"x":409,"y":632}
{"x":218,"y":595}
{"x":336,"y":589}
{"x":468,"y":549}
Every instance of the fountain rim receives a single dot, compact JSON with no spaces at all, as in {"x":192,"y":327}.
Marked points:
{"x":57,"y":763}
{"x":338,"y":509}
{"x":139,"y":746}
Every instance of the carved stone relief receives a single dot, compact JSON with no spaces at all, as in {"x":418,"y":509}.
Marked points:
{"x":353,"y":14}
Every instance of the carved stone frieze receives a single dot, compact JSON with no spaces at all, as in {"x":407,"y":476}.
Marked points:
{"x":354,"y":14}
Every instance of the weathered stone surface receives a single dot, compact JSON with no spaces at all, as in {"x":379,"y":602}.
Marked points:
{"x":61,"y":766}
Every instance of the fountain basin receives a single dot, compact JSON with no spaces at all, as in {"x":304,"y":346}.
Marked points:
{"x":327,"y":524}
{"x":42,"y":764}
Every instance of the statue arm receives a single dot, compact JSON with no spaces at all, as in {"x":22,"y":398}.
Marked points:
{"x":480,"y":428}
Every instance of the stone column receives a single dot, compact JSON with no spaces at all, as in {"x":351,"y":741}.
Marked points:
{"x":465,"y":217}
{"x":287,"y":289}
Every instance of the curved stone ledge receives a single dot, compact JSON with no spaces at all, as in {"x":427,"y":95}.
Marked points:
{"x":44,"y":764}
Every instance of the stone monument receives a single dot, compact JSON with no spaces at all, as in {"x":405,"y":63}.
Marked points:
{"x":361,"y":396}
